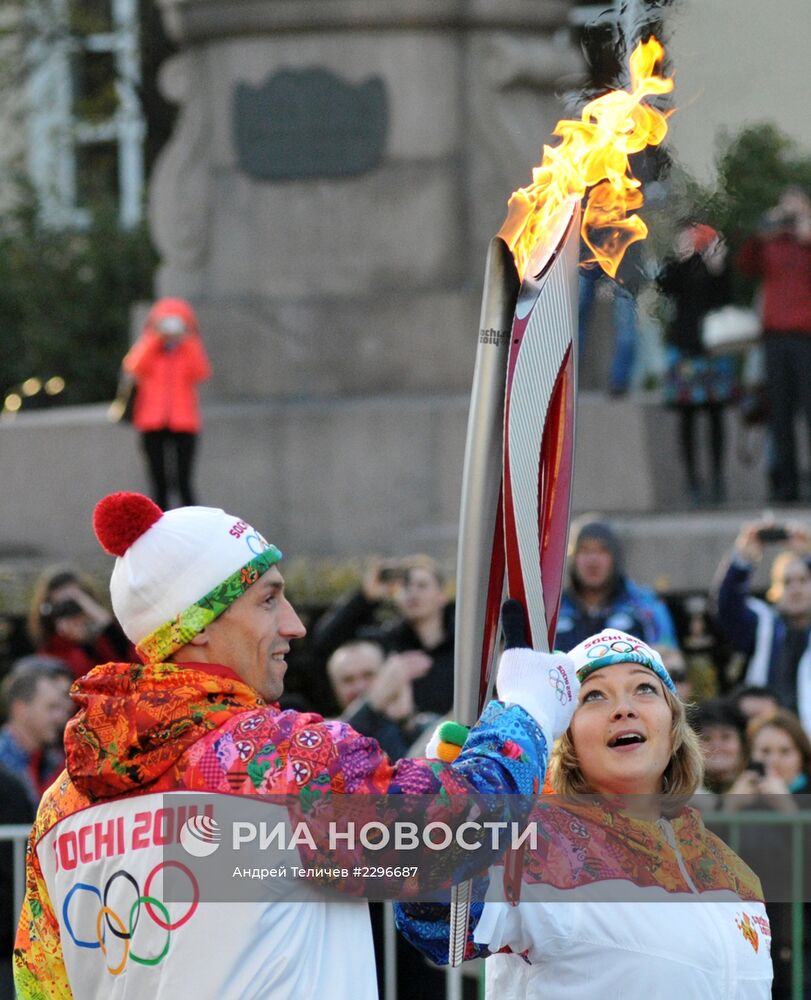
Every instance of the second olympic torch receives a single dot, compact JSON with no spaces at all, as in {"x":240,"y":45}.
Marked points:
{"x":519,"y":453}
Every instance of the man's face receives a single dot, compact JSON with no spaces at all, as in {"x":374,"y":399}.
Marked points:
{"x":253,"y":636}
{"x":421,"y":596}
{"x":593,"y":564}
{"x":353,"y":670}
{"x":44,"y":717}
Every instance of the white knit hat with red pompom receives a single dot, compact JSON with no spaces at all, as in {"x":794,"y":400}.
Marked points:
{"x":177,"y":570}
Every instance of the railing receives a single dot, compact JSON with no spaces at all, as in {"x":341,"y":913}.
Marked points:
{"x":796,"y":821}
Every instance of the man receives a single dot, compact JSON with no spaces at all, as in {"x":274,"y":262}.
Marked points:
{"x":35,"y":696}
{"x":779,"y":256}
{"x":425,"y":624}
{"x":600,"y":596}
{"x":352,"y":668}
{"x":200,"y":594}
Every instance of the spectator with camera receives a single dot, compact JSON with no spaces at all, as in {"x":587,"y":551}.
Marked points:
{"x":66,"y":621}
{"x":423,"y":624}
{"x":779,"y":256}
{"x":776,"y":778}
{"x":774,"y":634}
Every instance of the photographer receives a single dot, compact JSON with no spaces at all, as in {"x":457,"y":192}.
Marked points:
{"x":774,"y":634}
{"x":779,"y":256}
{"x":65,"y":620}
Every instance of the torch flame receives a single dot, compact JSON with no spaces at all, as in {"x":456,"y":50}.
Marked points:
{"x":593,"y":154}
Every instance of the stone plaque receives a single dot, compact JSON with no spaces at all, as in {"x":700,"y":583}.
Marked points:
{"x":309,"y":123}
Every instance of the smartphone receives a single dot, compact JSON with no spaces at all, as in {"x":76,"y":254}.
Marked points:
{"x":774,"y":533}
{"x":757,"y":767}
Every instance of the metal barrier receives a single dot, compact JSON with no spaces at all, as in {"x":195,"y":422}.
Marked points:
{"x":736,"y":821}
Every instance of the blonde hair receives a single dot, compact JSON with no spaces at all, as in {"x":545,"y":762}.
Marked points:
{"x":682,"y":776}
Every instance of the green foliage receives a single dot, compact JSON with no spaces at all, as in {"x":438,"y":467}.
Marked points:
{"x":65,"y":297}
{"x":753,"y":168}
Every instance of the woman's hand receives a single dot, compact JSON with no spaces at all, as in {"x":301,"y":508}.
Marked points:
{"x":744,"y":792}
{"x":98,"y":615}
{"x":799,"y":538}
{"x":543,"y":684}
{"x":776,"y":794}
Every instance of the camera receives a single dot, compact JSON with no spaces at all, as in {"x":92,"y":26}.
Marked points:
{"x":772,"y":533}
{"x":756,"y":766}
{"x":60,"y":609}
{"x":779,"y":222}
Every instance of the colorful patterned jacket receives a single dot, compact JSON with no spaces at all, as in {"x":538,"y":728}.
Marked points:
{"x":664,"y":911}
{"x":94,"y":923}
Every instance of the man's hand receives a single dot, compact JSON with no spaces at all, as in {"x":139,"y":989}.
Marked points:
{"x":543,"y":684}
{"x":391,"y":691}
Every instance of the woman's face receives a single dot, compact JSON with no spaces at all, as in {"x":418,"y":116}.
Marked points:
{"x":621,"y":730}
{"x":724,"y":751}
{"x":795,"y":600}
{"x":778,"y":753}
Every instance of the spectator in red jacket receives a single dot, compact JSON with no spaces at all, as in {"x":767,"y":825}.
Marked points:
{"x":780,"y":256}
{"x":168,"y":361}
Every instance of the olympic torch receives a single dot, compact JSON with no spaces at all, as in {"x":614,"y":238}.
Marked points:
{"x":519,"y":453}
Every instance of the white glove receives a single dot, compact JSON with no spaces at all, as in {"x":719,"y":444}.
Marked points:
{"x":544,"y":684}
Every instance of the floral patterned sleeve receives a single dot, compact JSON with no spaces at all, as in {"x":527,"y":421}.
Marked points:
{"x":39,"y":969}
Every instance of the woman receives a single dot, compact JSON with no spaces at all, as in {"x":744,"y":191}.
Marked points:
{"x":696,"y":280}
{"x":778,"y":778}
{"x":774,"y":634}
{"x":66,"y":621}
{"x":619,"y":839}
{"x":168,"y":361}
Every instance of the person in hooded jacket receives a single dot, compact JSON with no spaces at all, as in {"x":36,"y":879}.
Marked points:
{"x":168,"y":361}
{"x":200,"y":594}
{"x":600,"y":595}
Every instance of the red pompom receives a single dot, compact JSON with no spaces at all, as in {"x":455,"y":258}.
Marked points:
{"x":121,"y":518}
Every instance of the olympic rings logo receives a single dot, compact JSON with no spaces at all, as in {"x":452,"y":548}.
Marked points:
{"x":617,"y":646}
{"x":108,"y":920}
{"x":560,"y":684}
{"x":257,"y":544}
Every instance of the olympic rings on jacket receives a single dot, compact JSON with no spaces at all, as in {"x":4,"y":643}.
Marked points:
{"x":107,"y":919}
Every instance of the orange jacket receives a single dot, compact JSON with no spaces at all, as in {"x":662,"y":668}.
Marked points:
{"x":167,"y":375}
